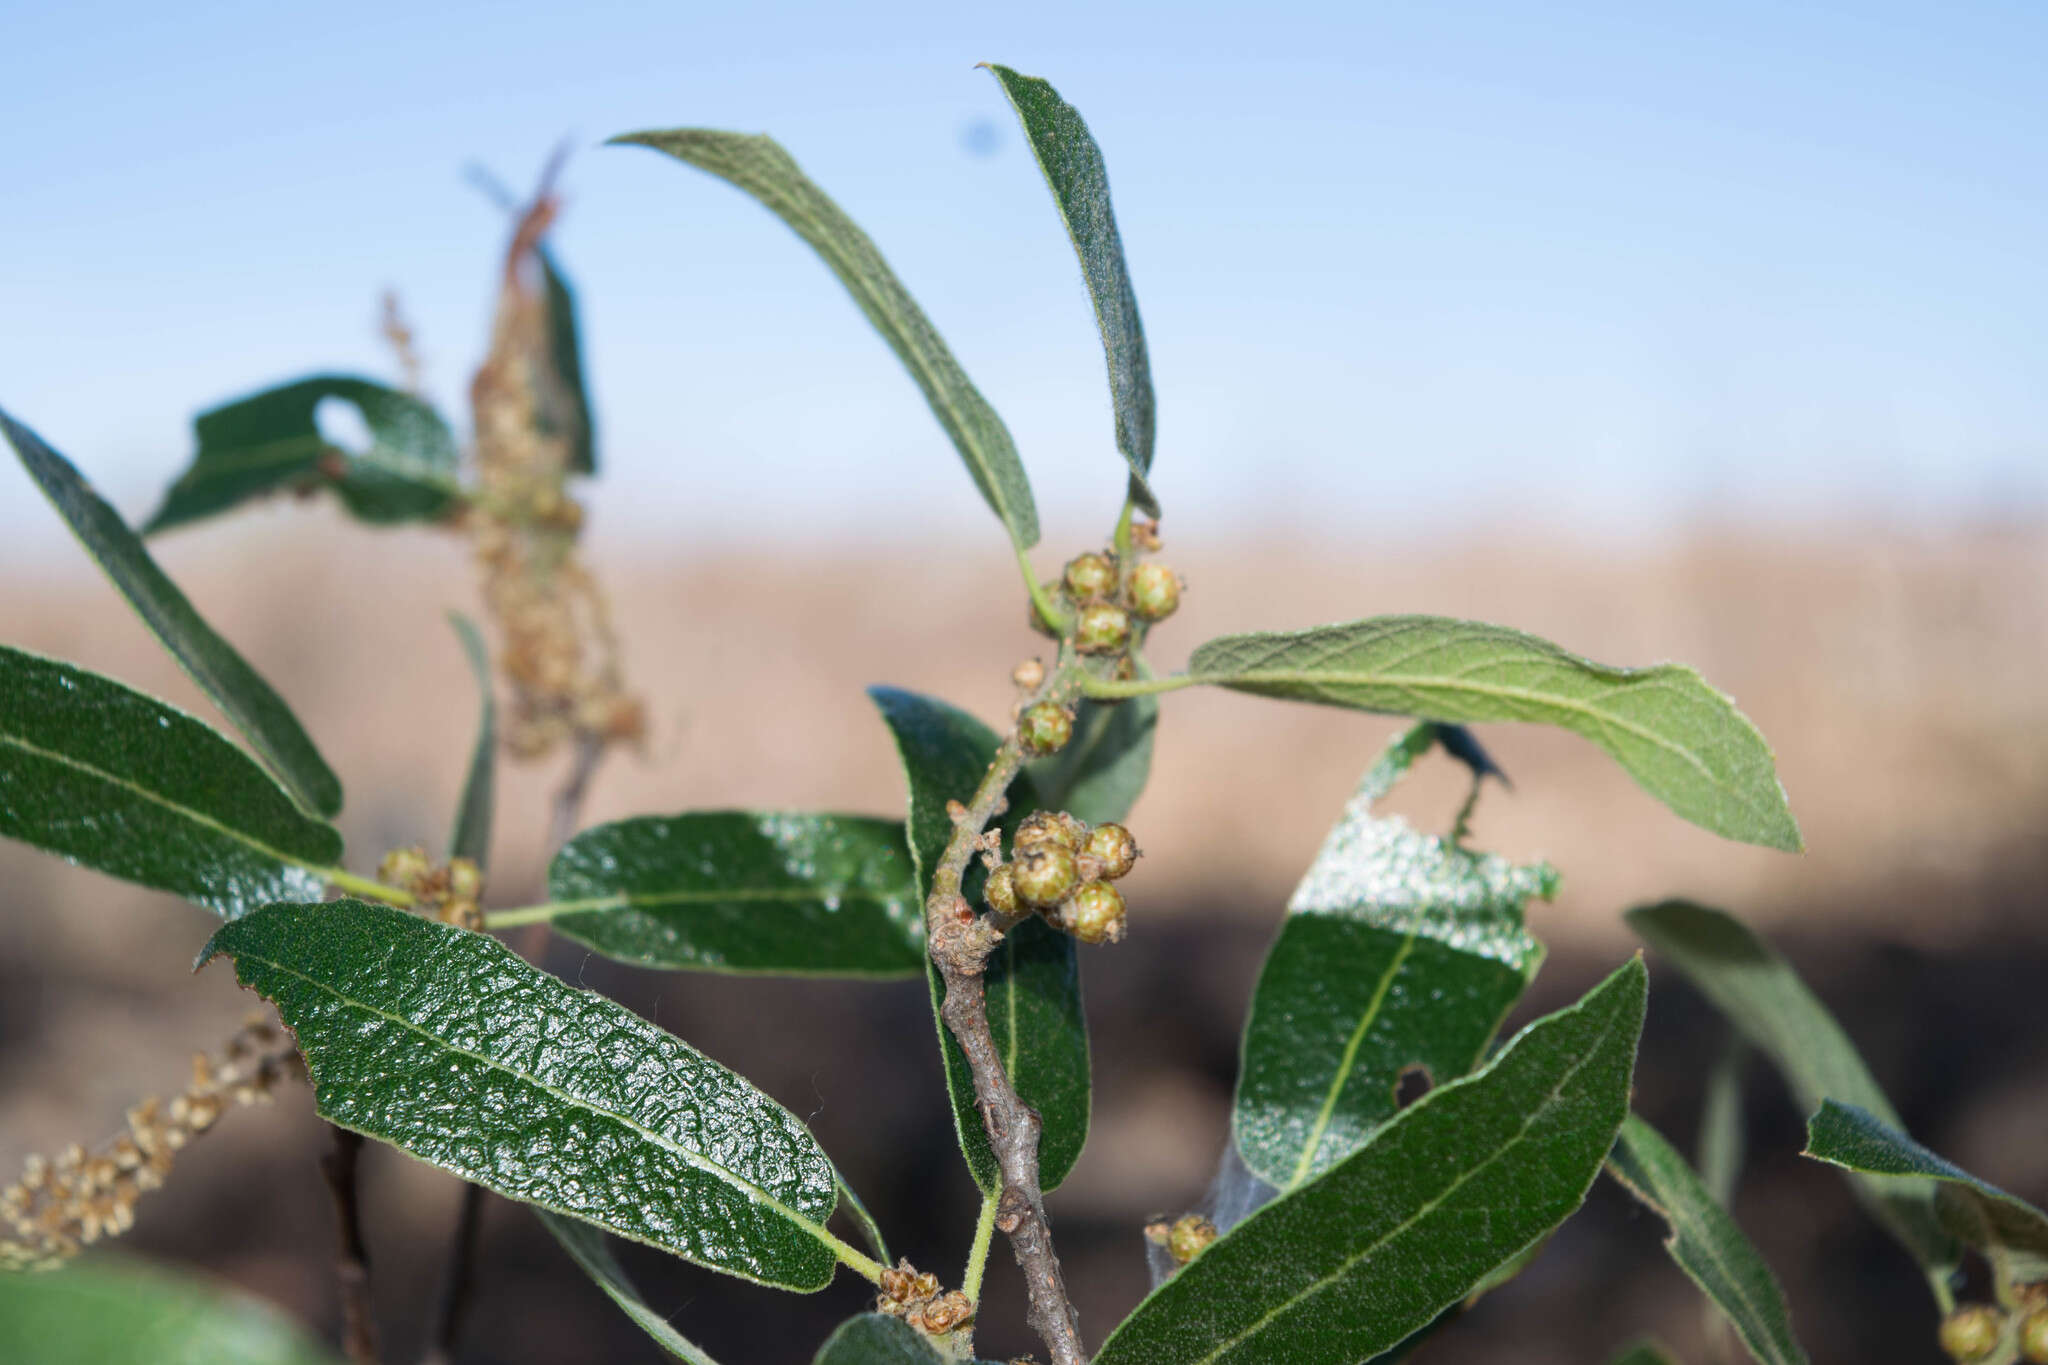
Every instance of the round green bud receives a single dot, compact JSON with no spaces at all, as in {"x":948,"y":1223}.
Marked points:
{"x":1190,"y":1237}
{"x":1045,"y":728}
{"x":1001,"y":891}
{"x":1971,"y":1332}
{"x":1090,"y":577}
{"x":1044,"y":874}
{"x":1155,"y":591}
{"x":2034,"y":1336}
{"x":1116,"y":848}
{"x":1046,"y":827}
{"x":1095,"y":914}
{"x":1102,"y":628}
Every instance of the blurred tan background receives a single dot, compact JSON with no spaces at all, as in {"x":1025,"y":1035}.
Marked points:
{"x":1898,"y":675}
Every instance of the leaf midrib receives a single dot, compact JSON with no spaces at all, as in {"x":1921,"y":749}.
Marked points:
{"x":242,"y":458}
{"x":1431,"y":1206}
{"x":632,"y":900}
{"x":753,"y":1193}
{"x":1347,"y":1061}
{"x":194,"y":816}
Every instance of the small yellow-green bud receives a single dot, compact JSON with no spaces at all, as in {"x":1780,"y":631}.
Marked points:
{"x":1044,"y":874}
{"x":1102,"y":628}
{"x":1001,"y":891}
{"x":1046,"y":827}
{"x":1190,"y":1237}
{"x":405,"y":867}
{"x":1090,"y":577}
{"x":1095,"y":914}
{"x":1045,"y":728}
{"x":465,"y":879}
{"x":2034,"y":1336}
{"x":1155,"y":591}
{"x":1116,"y":848}
{"x":1971,"y":1332}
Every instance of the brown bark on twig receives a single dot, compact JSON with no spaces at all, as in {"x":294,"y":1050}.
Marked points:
{"x":352,"y":1268}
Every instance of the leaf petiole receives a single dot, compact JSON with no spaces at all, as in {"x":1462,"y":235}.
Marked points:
{"x":1113,"y":689}
{"x":977,"y":1254}
{"x":364,"y":886}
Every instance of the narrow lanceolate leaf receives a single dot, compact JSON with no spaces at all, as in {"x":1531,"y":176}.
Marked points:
{"x":1073,"y":168}
{"x":119,"y":782}
{"x":1684,"y":742}
{"x":872,"y":1339}
{"x":243,"y":697}
{"x":1706,"y":1243}
{"x":565,"y":353}
{"x":123,"y":1312}
{"x":1721,"y":1129}
{"x":758,"y":165}
{"x":270,"y":442}
{"x":447,"y":1044}
{"x":1099,"y":775}
{"x":2005,"y":1228}
{"x":585,"y":1245}
{"x":1765,"y":999}
{"x":741,"y":891}
{"x":1354,"y":1261}
{"x":1400,"y":952}
{"x":472,"y":837}
{"x":1033,"y":980}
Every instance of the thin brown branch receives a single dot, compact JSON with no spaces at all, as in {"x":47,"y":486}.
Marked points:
{"x":458,"y":1284}
{"x":960,"y":944}
{"x":352,"y":1268}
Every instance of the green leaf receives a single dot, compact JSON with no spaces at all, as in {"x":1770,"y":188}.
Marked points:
{"x":1033,"y":980}
{"x":1766,"y":1001}
{"x":759,"y":166}
{"x":1648,"y":1351}
{"x":1684,"y":742}
{"x":117,"y":781}
{"x":243,"y":697}
{"x":741,"y":891}
{"x":872,"y":1339}
{"x":125,"y":1312}
{"x":1706,"y":1242}
{"x":565,"y":351}
{"x":2009,"y":1230}
{"x":1104,"y":767}
{"x":1073,"y":168}
{"x":1463,"y":1179}
{"x":1399,"y":950}
{"x":472,"y":837}
{"x":1721,"y":1136}
{"x":270,"y":442}
{"x":449,"y":1045}
{"x":586,"y":1246}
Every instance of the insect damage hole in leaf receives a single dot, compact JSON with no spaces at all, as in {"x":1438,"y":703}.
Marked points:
{"x":1412,"y":1084}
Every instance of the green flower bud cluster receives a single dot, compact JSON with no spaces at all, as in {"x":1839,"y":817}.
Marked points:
{"x":1183,"y":1239}
{"x":1105,"y":601}
{"x":1061,"y":868}
{"x":1972,"y":1331}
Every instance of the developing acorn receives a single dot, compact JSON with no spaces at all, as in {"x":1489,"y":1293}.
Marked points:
{"x":1102,"y":628}
{"x":1001,"y":890}
{"x":1090,"y":577}
{"x":1116,"y":848}
{"x":1095,"y":914}
{"x":1972,"y":1331}
{"x":1044,"y":874}
{"x":1045,"y":728}
{"x":1155,"y":591}
{"x":1048,"y":827}
{"x":2034,"y":1336}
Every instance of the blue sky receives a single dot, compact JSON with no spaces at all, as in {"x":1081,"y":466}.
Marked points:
{"x":1403,"y":266}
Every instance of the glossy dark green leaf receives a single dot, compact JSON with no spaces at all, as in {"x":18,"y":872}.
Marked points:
{"x":1033,"y":980}
{"x":758,"y":892}
{"x":1351,"y":1263}
{"x":270,"y":442}
{"x":1073,"y":168}
{"x":586,"y":1246}
{"x":1100,"y":774}
{"x":449,"y":1045}
{"x":243,"y":697}
{"x":764,"y":170}
{"x":125,"y":1312}
{"x":117,"y":781}
{"x":1707,"y":1244}
{"x":872,"y":1339}
{"x":1767,"y":1002}
{"x":1684,"y":742}
{"x":2000,"y":1225}
{"x":1399,"y":951}
{"x":473,"y":813}
{"x":565,"y":351}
